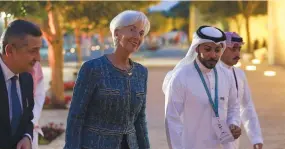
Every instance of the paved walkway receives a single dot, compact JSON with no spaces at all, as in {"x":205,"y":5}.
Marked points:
{"x":268,"y":95}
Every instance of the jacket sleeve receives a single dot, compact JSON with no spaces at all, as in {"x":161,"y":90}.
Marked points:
{"x":30,"y":126}
{"x":248,"y":115}
{"x":82,"y":93}
{"x":174,"y":106}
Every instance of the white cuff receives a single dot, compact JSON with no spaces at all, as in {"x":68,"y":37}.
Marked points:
{"x":257,"y":140}
{"x":29,"y":136}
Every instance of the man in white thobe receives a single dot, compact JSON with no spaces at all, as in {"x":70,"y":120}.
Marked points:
{"x":202,"y":109}
{"x":39,"y":97}
{"x":249,"y":117}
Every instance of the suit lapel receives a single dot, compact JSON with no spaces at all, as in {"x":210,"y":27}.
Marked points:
{"x":4,"y":106}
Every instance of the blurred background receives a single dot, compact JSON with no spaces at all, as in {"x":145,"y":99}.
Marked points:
{"x":76,"y":31}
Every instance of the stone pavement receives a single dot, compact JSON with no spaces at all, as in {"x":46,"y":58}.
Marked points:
{"x":57,"y":117}
{"x":268,"y":95}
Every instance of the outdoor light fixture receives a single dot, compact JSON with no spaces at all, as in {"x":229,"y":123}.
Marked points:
{"x":93,"y":48}
{"x":269,"y":73}
{"x":97,"y":47}
{"x":250,"y":68}
{"x":72,"y":50}
{"x":255,"y":61}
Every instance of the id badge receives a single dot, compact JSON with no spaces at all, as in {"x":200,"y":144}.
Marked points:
{"x":222,"y":130}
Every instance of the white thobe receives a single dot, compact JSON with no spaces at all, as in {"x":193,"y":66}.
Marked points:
{"x":188,"y":112}
{"x":39,"y":98}
{"x":249,"y":117}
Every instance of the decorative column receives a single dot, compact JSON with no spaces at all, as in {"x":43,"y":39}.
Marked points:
{"x":276,"y":32}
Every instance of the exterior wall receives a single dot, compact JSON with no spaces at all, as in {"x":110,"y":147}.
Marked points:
{"x":276,"y":40}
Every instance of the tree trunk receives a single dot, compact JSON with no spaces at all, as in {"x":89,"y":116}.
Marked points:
{"x":56,"y":65}
{"x":78,"y":47}
{"x":53,"y":34}
{"x":248,"y":34}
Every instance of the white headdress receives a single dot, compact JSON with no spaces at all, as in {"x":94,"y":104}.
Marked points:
{"x":232,"y":39}
{"x":202,"y":35}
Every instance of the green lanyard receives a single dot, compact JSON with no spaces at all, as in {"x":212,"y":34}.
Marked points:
{"x":215,"y":105}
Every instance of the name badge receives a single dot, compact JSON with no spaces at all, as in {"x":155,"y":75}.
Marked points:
{"x":222,"y":130}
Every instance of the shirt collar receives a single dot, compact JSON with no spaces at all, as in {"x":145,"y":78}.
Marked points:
{"x":225,"y":65}
{"x":202,"y":67}
{"x":8,"y":74}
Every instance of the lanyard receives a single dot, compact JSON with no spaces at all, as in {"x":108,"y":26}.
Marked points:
{"x":215,"y":105}
{"x":235,"y":80}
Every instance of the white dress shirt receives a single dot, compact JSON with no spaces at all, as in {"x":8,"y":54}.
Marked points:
{"x":249,"y":117}
{"x":188,"y":112}
{"x":8,"y":74}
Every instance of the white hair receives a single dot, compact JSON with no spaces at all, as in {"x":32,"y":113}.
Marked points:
{"x":126,"y":18}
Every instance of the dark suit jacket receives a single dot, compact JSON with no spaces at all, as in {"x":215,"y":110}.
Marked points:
{"x":7,"y":141}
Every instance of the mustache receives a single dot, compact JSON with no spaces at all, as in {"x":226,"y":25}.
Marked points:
{"x":33,"y":62}
{"x":212,"y":60}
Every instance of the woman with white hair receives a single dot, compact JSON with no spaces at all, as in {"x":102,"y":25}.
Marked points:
{"x":109,"y":100}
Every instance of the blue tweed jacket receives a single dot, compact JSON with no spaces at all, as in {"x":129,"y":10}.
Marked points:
{"x":108,"y":103}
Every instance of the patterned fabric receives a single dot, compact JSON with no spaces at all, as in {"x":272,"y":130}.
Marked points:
{"x":107,"y":104}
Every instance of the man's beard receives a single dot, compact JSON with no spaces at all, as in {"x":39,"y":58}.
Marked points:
{"x":210,"y":64}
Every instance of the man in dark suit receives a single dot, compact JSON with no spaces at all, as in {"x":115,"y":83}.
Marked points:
{"x":20,"y":45}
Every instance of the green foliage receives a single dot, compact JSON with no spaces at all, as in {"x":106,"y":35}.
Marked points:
{"x":98,"y":14}
{"x":156,"y":20}
{"x":181,"y":9}
{"x":86,"y":15}
{"x":20,"y":9}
